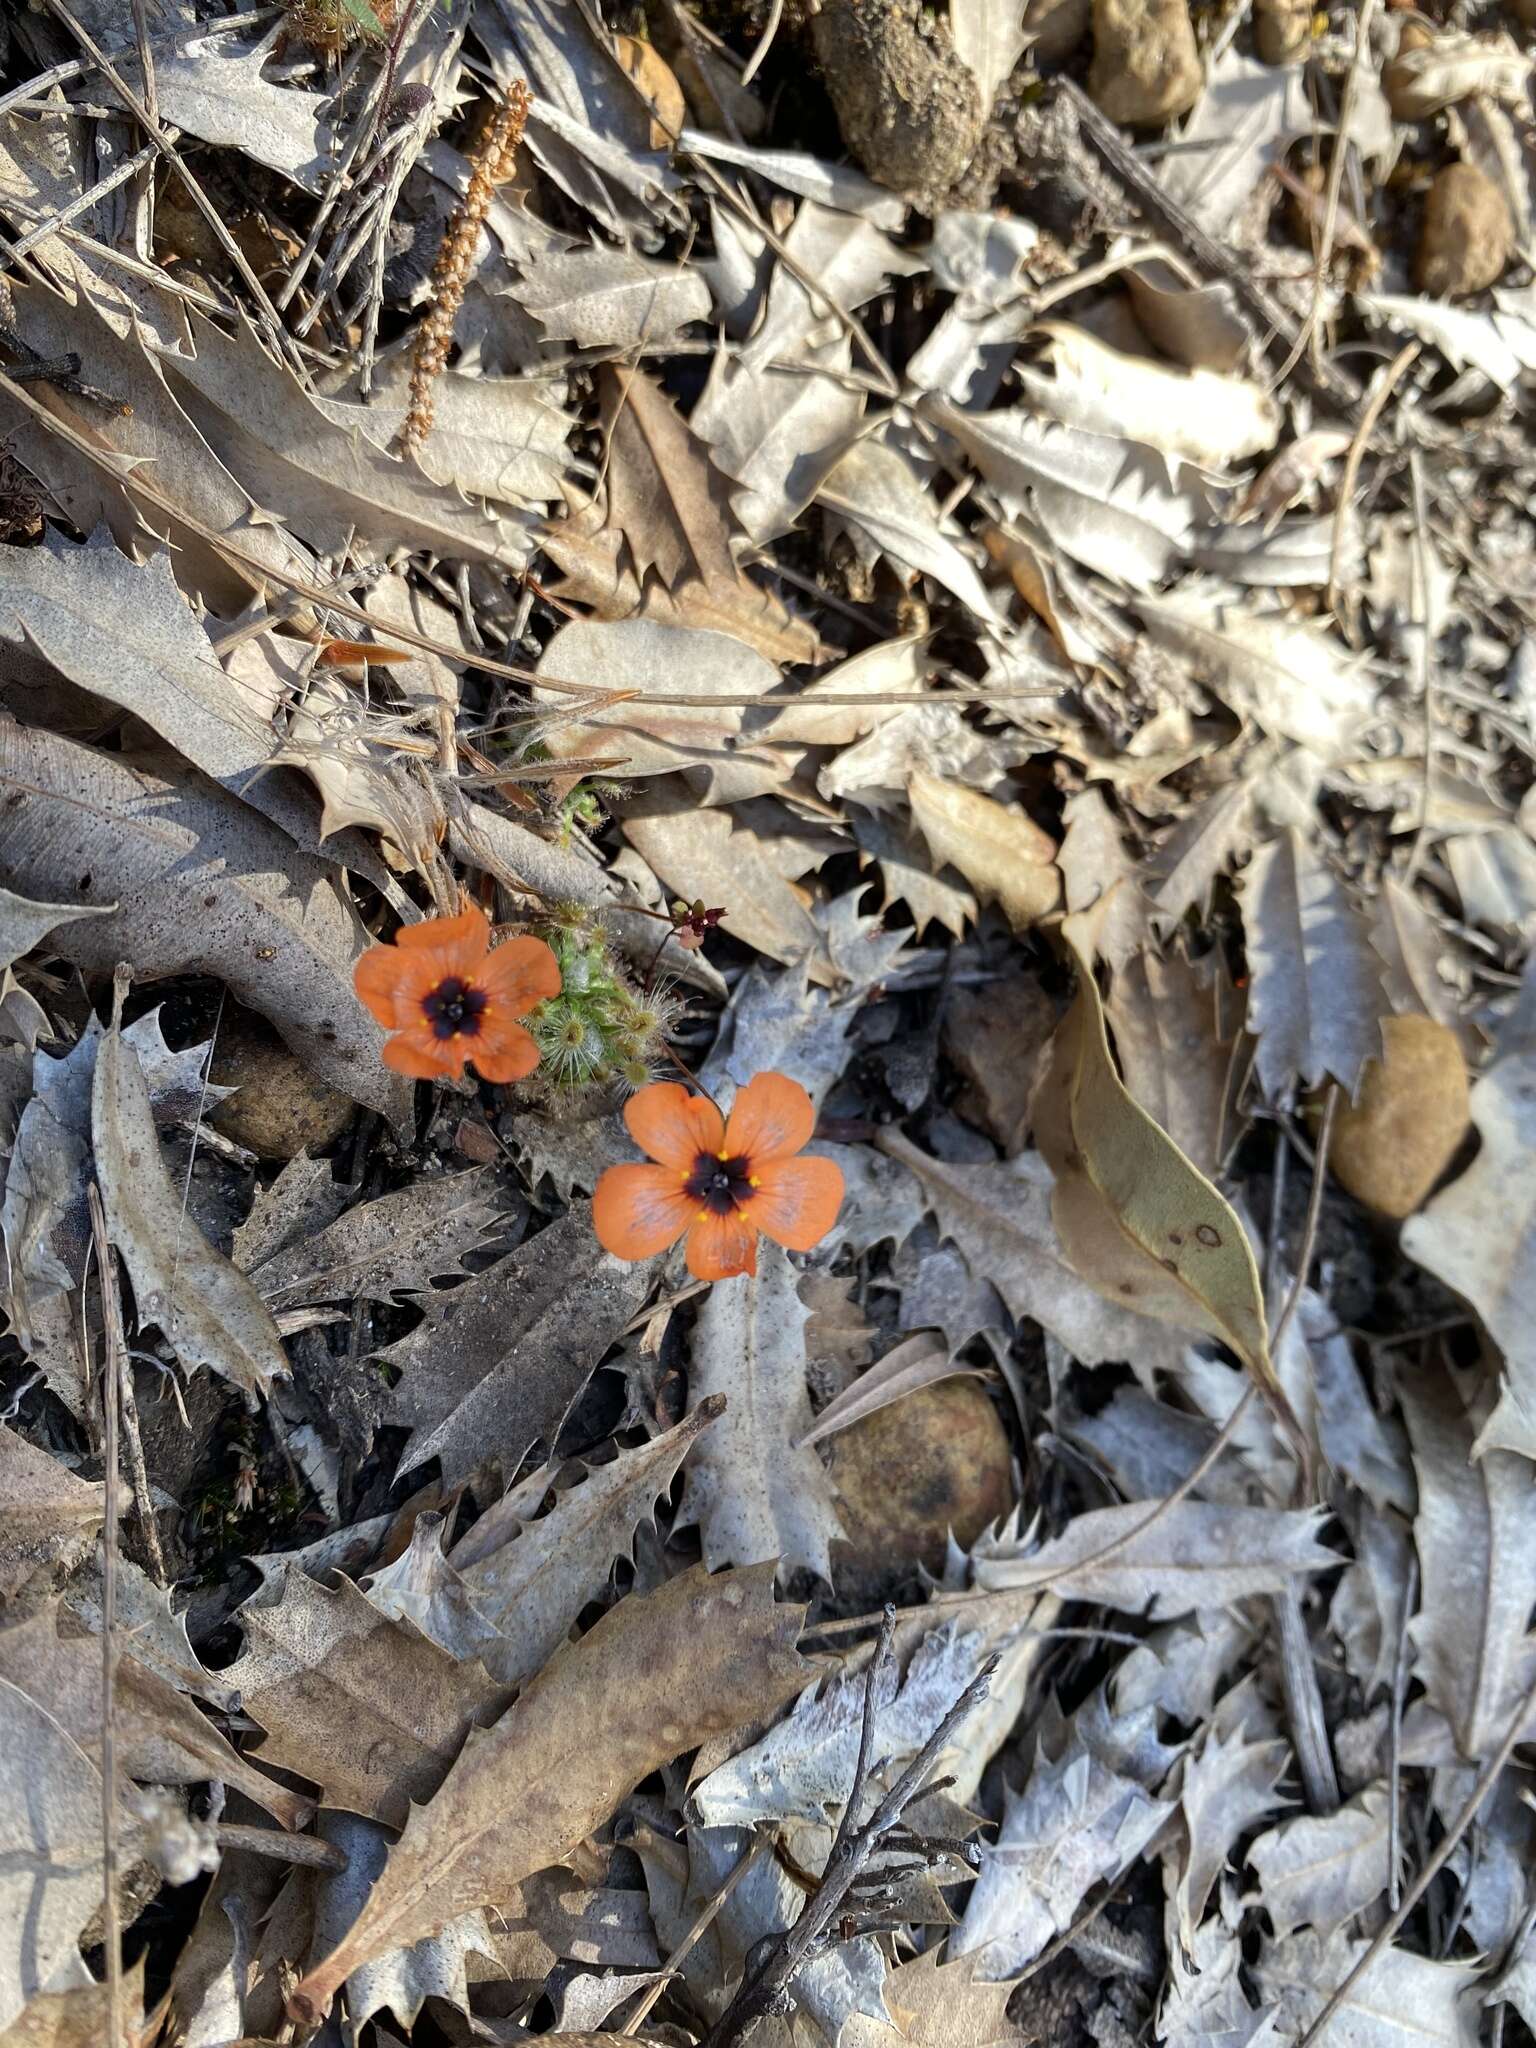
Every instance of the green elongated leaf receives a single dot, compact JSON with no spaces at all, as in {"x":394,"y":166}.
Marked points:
{"x":1137,"y":1220}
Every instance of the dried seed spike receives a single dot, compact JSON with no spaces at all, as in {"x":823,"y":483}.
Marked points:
{"x":491,"y":166}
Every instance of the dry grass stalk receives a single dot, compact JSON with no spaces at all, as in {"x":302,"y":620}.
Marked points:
{"x":490,"y":167}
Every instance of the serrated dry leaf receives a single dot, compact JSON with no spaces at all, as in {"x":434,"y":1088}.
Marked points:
{"x":511,"y":1597}
{"x":1400,"y":2001}
{"x":1076,"y":1822}
{"x":876,"y":488}
{"x":369,"y":1710}
{"x":1227,"y":1784}
{"x":777,"y":432}
{"x":1433,"y":75}
{"x":207,"y":1309}
{"x":1410,"y":947}
{"x":1181,"y":1073}
{"x":23,"y":923}
{"x":1315,"y":998}
{"x":898,"y":666}
{"x":365,"y":768}
{"x":202,"y":884}
{"x":1479,"y":1236}
{"x":1207,"y":419}
{"x":1108,"y":914}
{"x":709,"y":856}
{"x":989,"y":40}
{"x":1135,"y":1218}
{"x":1204,"y":2004}
{"x":1198,"y":849}
{"x":214,"y":89}
{"x":1467,"y":339}
{"x":660,"y":543}
{"x":48,"y":1517}
{"x":1000,"y":1217}
{"x":999,"y":849}
{"x":937,"y":2004}
{"x":1475,"y":1532}
{"x":1192,"y":1554}
{"x":76,"y":2015}
{"x":657,"y":1675}
{"x":50,"y":1848}
{"x":398,"y":1244}
{"x":1320,"y":1871}
{"x":754,"y":1491}
{"x":611,"y":298}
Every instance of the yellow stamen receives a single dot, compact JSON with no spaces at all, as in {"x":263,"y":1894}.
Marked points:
{"x":722,"y":1155}
{"x":702,"y":1217}
{"x":754,"y":1180}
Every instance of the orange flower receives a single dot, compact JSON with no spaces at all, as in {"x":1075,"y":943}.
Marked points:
{"x":448,"y":998}
{"x":722,"y":1183}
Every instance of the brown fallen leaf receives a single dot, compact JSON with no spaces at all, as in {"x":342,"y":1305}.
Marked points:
{"x":76,"y":2016}
{"x":658,"y":1674}
{"x":48,"y":1517}
{"x":657,"y":543}
{"x":1141,"y":1224}
{"x":1000,"y":851}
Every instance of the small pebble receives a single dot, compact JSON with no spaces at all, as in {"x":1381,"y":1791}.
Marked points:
{"x":1146,"y":66}
{"x":1391,"y":1147}
{"x":1282,"y":29}
{"x":281,"y":1108}
{"x":1467,"y":236}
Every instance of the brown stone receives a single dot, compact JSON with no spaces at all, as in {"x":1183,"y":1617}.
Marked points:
{"x":908,"y":107}
{"x":907,"y":1475}
{"x":281,"y":1108}
{"x":1467,"y":236}
{"x":1282,"y":29}
{"x":1391,"y":1147}
{"x":1056,"y":27}
{"x":1146,"y":66}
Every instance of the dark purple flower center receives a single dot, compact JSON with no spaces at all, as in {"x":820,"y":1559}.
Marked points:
{"x":719,"y":1185}
{"x":454,"y":1008}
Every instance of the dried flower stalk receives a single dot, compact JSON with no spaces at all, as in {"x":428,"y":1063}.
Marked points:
{"x":491,"y":166}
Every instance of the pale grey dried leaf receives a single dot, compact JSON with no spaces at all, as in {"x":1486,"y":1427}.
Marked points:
{"x":1107,"y":502}
{"x":968,"y":355}
{"x":207,"y":1309}
{"x":158,"y":1633}
{"x":1192,"y":1554}
{"x":403,"y":1979}
{"x":1076,"y":1822}
{"x":979,"y":256}
{"x":1202,"y":416}
{"x":50,"y":1848}
{"x":214,"y":89}
{"x":1108,"y":915}
{"x":701,"y":854}
{"x":906,"y":870}
{"x":849,"y":261}
{"x":1227,"y":1784}
{"x":1476,"y":1536}
{"x":1400,"y":2001}
{"x":834,"y":185}
{"x":1244,"y":120}
{"x":1148,"y":1446}
{"x":1198,"y":849}
{"x":398,"y":1244}
{"x":1479,"y":1236}
{"x":1369,"y":1449}
{"x":989,"y":40}
{"x":889,"y":666}
{"x":1315,"y":996}
{"x":203,"y":885}
{"x":305,"y":1196}
{"x":1174,"y":1063}
{"x":1321,"y":1871}
{"x":920,"y":1361}
{"x":877,"y":489}
{"x":931,"y":739}
{"x":1295,"y":554}
{"x":612,"y":298}
{"x":23,"y":923}
{"x":802,"y":1770}
{"x":1285,"y":674}
{"x":48,"y":1517}
{"x":1000,"y":1217}
{"x":1368,"y":1612}
{"x":498,"y":1362}
{"x":1495,"y":877}
{"x":505,"y":438}
{"x":1467,"y":339}
{"x":1204,"y":2004}
{"x":1411,"y":946}
{"x":753,"y":1494}
{"x":777,"y":432}
{"x":513,"y":1605}
{"x":583,"y":2002}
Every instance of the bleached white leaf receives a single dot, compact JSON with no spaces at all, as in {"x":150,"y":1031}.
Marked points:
{"x":876,"y":487}
{"x":1476,"y":1537}
{"x":1479,"y":1236}
{"x":1204,"y":2004}
{"x":495,"y":437}
{"x":1495,"y":877}
{"x":1287,"y":675}
{"x":23,"y":923}
{"x":1108,"y":503}
{"x":803,"y":1768}
{"x":215,"y":90}
{"x":50,"y":1848}
{"x":611,"y":298}
{"x":1227,"y":1784}
{"x":846,"y":258}
{"x":1467,"y":340}
{"x":1315,"y":995}
{"x":1400,"y":2001}
{"x":754,"y":1495}
{"x":1075,"y":1823}
{"x":1208,"y":419}
{"x":1245,"y":119}
{"x":1437,"y":73}
{"x":1319,"y":1871}
{"x":1193,"y":1554}
{"x":835,"y":185}
{"x":989,"y":40}
{"x":979,"y":256}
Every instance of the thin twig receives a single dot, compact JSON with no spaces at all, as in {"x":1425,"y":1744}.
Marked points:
{"x":700,"y":1926}
{"x":1395,"y":1736}
{"x":1386,"y":384}
{"x":111,"y":1382}
{"x":1486,"y":1780}
{"x":1314,"y":1214}
{"x":1304,"y":1706}
{"x":310,"y":1852}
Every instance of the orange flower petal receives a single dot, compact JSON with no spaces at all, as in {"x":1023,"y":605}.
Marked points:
{"x":423,"y":1057}
{"x":770,"y":1118}
{"x":501,"y":1052}
{"x":638,"y":1211}
{"x":673,"y":1126}
{"x":518,"y":975}
{"x":376,"y":977}
{"x":467,"y":937}
{"x":796,"y":1201}
{"x":719,"y":1247}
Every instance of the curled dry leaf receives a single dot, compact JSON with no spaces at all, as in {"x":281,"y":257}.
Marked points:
{"x":1135,"y":1217}
{"x":206,"y":1308}
{"x":1000,"y":851}
{"x":1211,"y":420}
{"x":659,"y":1674}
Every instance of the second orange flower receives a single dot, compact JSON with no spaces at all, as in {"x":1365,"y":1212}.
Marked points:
{"x":720,"y":1181}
